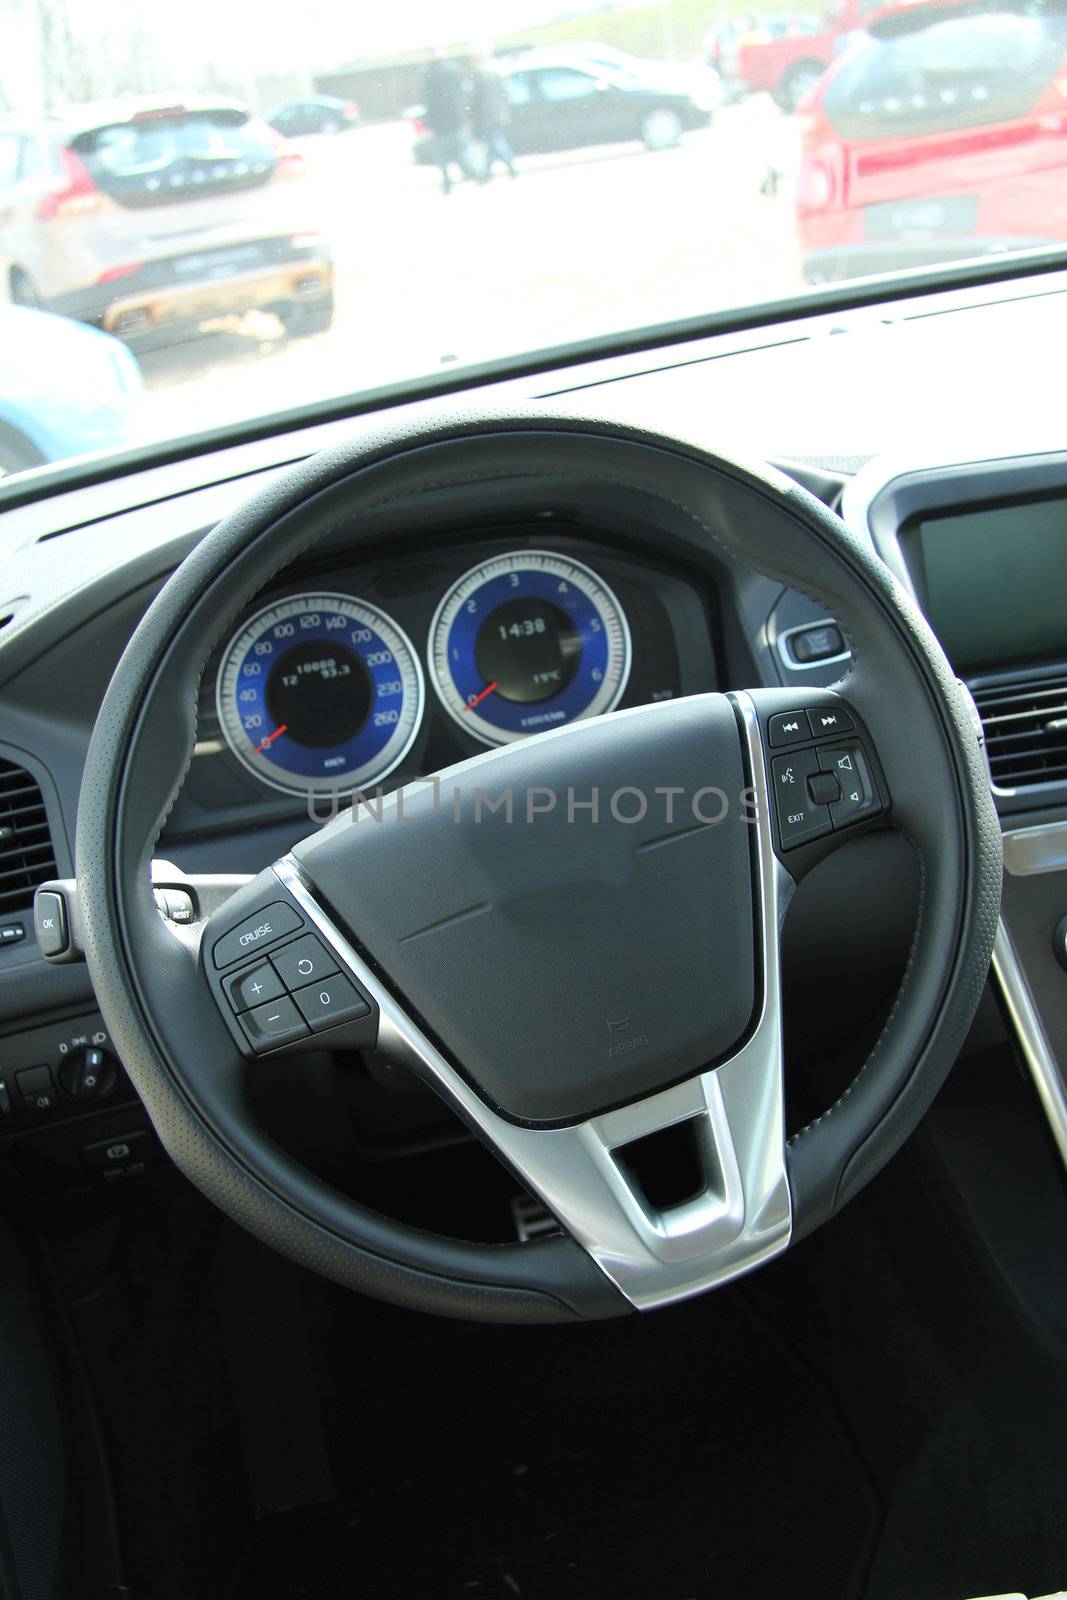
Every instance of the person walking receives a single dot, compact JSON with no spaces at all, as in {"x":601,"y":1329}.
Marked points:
{"x":445,"y":113}
{"x":490,"y":118}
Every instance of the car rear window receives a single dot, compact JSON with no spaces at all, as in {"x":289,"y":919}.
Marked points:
{"x":173,"y":156}
{"x":963,"y":72}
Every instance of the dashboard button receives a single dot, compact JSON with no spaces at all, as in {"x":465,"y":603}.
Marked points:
{"x":334,"y":1000}
{"x":827,"y":722}
{"x":278,"y":1022}
{"x":175,"y":904}
{"x":50,"y":922}
{"x":273,"y":922}
{"x":304,"y":962}
{"x":37,"y":1089}
{"x":787,"y":727}
{"x":127,"y":1154}
{"x":253,"y":987}
{"x":799,"y":818}
{"x":849,"y":766}
{"x":824,"y":788}
{"x":820,"y":643}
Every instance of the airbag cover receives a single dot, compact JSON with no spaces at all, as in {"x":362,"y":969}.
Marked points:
{"x":567,"y":959}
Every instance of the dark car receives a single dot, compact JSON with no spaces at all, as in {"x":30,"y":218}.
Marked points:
{"x":319,"y":113}
{"x":564,"y":102}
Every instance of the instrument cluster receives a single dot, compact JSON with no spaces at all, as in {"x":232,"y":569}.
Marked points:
{"x":332,"y":686}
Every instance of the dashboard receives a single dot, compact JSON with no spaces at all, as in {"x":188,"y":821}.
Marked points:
{"x":467,"y":628}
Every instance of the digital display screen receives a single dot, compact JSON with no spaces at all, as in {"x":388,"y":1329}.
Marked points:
{"x":993,"y":583}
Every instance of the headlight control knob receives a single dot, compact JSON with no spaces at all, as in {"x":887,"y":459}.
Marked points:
{"x":88,"y":1074}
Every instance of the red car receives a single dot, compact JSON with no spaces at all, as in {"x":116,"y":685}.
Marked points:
{"x":787,"y":55}
{"x":941,"y":134}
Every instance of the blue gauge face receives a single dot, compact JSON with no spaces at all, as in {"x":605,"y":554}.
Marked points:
{"x":320,"y":692}
{"x":528,"y":641}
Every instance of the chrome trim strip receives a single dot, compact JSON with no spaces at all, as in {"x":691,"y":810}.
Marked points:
{"x":744,"y":1214}
{"x":1029,"y":851}
{"x":1037,"y":1052}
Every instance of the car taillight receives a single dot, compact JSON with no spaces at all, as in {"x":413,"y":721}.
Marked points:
{"x":815,"y":185}
{"x":288,"y":161}
{"x":1051,"y":108}
{"x":351,"y":110}
{"x":114,"y":274}
{"x":419,"y":127}
{"x":77,"y":193}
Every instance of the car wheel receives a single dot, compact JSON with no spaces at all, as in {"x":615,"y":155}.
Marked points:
{"x":17,"y":453}
{"x":303,"y":318}
{"x":23,"y":290}
{"x":798,"y":82}
{"x":661,"y":130}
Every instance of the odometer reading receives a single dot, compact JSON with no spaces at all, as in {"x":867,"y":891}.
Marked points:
{"x":320,"y":692}
{"x":528,"y":641}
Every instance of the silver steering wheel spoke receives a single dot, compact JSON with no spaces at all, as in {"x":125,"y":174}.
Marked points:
{"x":740,"y":1214}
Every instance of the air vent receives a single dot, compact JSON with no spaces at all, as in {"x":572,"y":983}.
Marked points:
{"x":26,"y":857}
{"x":1026,"y":731}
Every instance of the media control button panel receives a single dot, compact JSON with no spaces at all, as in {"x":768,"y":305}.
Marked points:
{"x":824,"y":779}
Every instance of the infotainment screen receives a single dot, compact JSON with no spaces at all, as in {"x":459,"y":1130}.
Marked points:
{"x":993,"y":583}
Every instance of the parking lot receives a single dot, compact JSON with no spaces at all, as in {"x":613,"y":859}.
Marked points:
{"x":582,"y":243}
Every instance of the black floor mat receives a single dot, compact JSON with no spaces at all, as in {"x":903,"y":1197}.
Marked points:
{"x":683,"y":1456}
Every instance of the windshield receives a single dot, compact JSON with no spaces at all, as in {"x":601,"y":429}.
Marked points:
{"x":210,"y":216}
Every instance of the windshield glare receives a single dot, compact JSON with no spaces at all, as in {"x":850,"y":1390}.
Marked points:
{"x":211,"y":216}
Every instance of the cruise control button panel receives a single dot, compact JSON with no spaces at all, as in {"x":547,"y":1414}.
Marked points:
{"x":288,"y":986}
{"x":824,"y":778}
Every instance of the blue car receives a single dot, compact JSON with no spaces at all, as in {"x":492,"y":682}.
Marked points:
{"x":94,"y":407}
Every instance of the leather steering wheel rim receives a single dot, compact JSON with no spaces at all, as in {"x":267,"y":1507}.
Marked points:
{"x":149,"y":988}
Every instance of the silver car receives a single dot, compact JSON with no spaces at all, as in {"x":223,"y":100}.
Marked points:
{"x":150,"y":214}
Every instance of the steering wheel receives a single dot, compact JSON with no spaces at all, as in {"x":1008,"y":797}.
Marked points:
{"x":574,"y":939}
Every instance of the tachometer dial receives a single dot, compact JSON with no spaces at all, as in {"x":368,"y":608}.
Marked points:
{"x":320,"y":692}
{"x":528,"y":641}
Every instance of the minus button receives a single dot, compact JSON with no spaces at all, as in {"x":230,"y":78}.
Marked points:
{"x":276,"y":1023}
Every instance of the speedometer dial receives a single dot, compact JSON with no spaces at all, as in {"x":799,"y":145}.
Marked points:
{"x":319,"y":692}
{"x":528,"y":641}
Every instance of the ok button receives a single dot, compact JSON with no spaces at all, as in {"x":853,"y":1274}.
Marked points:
{"x":304,"y":962}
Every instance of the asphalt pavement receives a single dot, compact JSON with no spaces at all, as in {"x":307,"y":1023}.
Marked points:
{"x":581,"y":243}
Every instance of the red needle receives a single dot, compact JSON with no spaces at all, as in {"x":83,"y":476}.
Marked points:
{"x":269,"y":740}
{"x":478,"y":698}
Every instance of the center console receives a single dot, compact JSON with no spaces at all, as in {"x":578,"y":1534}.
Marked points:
{"x":982,"y":547}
